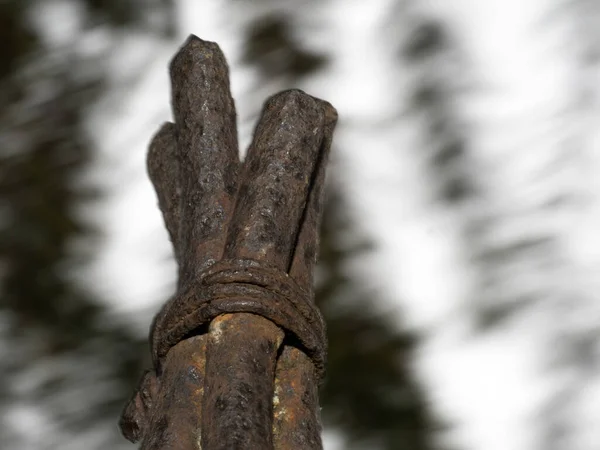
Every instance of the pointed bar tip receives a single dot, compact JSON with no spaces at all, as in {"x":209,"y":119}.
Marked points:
{"x":196,"y":50}
{"x":192,"y":39}
{"x":296,"y":98}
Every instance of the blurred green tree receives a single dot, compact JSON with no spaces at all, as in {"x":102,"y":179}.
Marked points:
{"x":519,"y":261}
{"x":68,"y":364}
{"x":78,"y":367}
{"x":370,"y":393}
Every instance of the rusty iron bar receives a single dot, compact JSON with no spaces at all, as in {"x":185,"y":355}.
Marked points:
{"x":240,"y":349}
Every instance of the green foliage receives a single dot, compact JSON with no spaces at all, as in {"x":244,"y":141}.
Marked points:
{"x":117,"y":12}
{"x":370,"y":391}
{"x":130,"y":13}
{"x":271,"y":47}
{"x":427,"y":49}
{"x":16,"y":35}
{"x":47,"y":315}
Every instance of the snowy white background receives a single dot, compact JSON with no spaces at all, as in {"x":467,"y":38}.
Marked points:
{"x":527,"y":93}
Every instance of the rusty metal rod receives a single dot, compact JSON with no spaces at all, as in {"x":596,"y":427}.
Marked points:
{"x":239,"y":350}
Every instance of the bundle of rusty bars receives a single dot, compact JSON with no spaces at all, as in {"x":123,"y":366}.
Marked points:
{"x":239,"y":350}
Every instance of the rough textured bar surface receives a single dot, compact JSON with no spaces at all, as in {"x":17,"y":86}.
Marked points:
{"x":239,"y":350}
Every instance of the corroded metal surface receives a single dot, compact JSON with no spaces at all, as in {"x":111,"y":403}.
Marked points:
{"x":239,"y":349}
{"x":166,"y":411}
{"x":240,"y":363}
{"x":296,"y":418}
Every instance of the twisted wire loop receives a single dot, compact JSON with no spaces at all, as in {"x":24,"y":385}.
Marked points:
{"x":242,"y":286}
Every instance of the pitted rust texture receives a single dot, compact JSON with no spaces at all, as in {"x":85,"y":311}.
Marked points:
{"x":137,"y":414}
{"x":245,"y":238}
{"x":242,"y":349}
{"x":166,"y":401}
{"x":194,"y":163}
{"x":296,"y":418}
{"x":280,"y":161}
{"x":246,"y":286}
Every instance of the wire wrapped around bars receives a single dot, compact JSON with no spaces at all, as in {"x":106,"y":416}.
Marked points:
{"x":242,"y":285}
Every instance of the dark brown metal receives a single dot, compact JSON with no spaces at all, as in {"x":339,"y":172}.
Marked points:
{"x":296,"y":417}
{"x":238,"y":396}
{"x":239,"y":350}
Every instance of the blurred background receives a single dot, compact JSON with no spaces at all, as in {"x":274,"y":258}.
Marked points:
{"x":460,"y":245}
